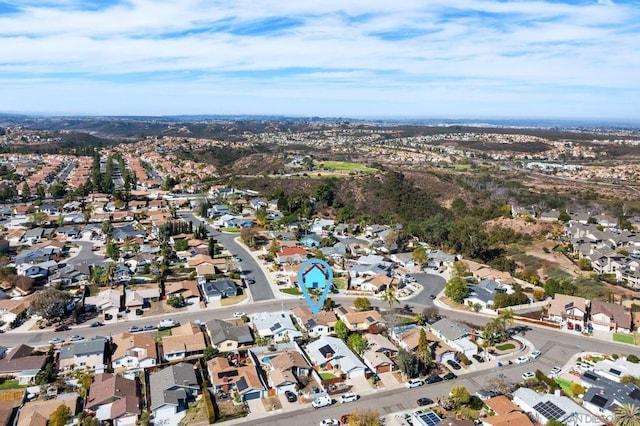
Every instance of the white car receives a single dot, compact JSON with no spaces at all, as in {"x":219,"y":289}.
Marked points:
{"x":56,"y":340}
{"x":414,"y":383}
{"x":555,"y":371}
{"x":528,"y":375}
{"x":238,"y":314}
{"x":348,"y":397}
{"x":522,"y":359}
{"x":329,"y":422}
{"x":535,"y":354}
{"x":75,"y":338}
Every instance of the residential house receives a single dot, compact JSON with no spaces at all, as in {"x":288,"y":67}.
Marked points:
{"x":336,"y":251}
{"x":291,"y":255}
{"x":358,"y":320}
{"x":374,"y":283}
{"x":545,"y":407}
{"x":277,"y":325}
{"x":218,"y":210}
{"x":11,"y":308}
{"x":184,"y":342}
{"x":484,"y":293}
{"x":285,"y":370}
{"x":38,"y":412}
{"x":127,"y":232}
{"x":320,"y":324}
{"x":404,"y":259}
{"x":114,"y":398}
{"x":331,"y":353}
{"x":187,"y":289}
{"x":218,"y":289}
{"x":106,"y":302}
{"x":322,"y":226}
{"x":378,"y":352}
{"x":245,"y":379}
{"x":617,"y":369}
{"x":134,"y":351}
{"x":37,"y":270}
{"x":604,"y":395}
{"x":171,"y":391}
{"x":406,"y":336}
{"x":506,"y":413}
{"x":456,"y":335}
{"x":609,"y":317}
{"x":227,"y":337}
{"x":141,"y":298}
{"x":87,"y":354}
{"x":569,"y":311}
{"x":21,"y":364}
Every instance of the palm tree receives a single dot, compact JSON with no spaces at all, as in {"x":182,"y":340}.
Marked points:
{"x":389,"y":296}
{"x":627,"y":415}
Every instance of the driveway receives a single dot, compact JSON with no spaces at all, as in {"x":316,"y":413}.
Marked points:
{"x":431,"y":284}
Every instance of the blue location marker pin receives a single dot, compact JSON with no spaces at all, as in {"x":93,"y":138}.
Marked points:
{"x":315,"y":274}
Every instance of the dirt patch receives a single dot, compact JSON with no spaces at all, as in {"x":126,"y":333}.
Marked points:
{"x":271,"y":403}
{"x":522,"y":226}
{"x":196,"y":414}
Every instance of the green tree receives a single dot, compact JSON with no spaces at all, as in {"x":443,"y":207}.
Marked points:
{"x":554,"y":422}
{"x":50,"y":303}
{"x":107,"y":228}
{"x":362,"y":304}
{"x":456,"y":289}
{"x":419,"y":255}
{"x":37,"y":218}
{"x":460,"y":396}
{"x":408,"y":363}
{"x":112,"y":250}
{"x":564,"y":216}
{"x":341,"y":329}
{"x":584,"y":264}
{"x":627,"y":415}
{"x":175,"y":301}
{"x":328,"y":304}
{"x":390,"y":297}
{"x":460,"y":269}
{"x":60,"y":416}
{"x":357,"y":342}
{"x":26,"y":191}
{"x":423,"y":348}
{"x":210,"y":352}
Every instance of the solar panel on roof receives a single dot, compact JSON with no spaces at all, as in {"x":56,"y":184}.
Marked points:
{"x":599,"y":401}
{"x":549,"y":410}
{"x":429,"y":418}
{"x":614,"y":371}
{"x":326,"y":349}
{"x":568,"y":305}
{"x":590,"y":376}
{"x":635,"y":394}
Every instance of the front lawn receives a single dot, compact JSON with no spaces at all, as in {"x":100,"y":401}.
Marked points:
{"x":228,"y":301}
{"x":327,"y":376}
{"x":292,"y":291}
{"x":623,"y":338}
{"x":505,"y":347}
{"x":565,"y":385}
{"x":11,"y":384}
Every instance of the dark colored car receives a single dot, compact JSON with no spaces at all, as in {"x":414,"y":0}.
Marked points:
{"x":433,"y":379}
{"x":478,"y":358}
{"x":449,"y":376}
{"x":62,"y":328}
{"x":139,"y":311}
{"x":424,"y":401}
{"x":291,"y":397}
{"x":453,"y":364}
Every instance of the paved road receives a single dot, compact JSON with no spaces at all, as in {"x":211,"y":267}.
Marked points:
{"x":432,"y":284}
{"x":86,"y":255}
{"x":261,"y":290}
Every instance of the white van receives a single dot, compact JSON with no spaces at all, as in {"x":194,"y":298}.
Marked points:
{"x":322,"y":401}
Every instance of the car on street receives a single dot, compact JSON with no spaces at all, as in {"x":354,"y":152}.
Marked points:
{"x":238,"y":314}
{"x":528,"y":375}
{"x":134,"y":329}
{"x":62,"y":328}
{"x":432,"y":296}
{"x":555,"y":371}
{"x":485,"y":394}
{"x":322,"y":401}
{"x":291,"y":397}
{"x":453,"y":364}
{"x":97,"y":324}
{"x":450,"y":376}
{"x":56,"y":340}
{"x":478,"y":358}
{"x":149,"y":327}
{"x":535,"y":354}
{"x":433,"y":379}
{"x":348,"y":397}
{"x":251,"y":281}
{"x":329,"y":422}
{"x":522,"y":359}
{"x":414,"y":383}
{"x":75,"y":338}
{"x":424,"y":401}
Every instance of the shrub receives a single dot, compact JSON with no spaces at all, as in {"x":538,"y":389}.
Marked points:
{"x":633,"y":358}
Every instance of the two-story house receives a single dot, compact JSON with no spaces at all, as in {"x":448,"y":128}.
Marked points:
{"x":358,"y":320}
{"x":320,"y":324}
{"x":84,"y":355}
{"x":133,"y":351}
{"x":227,"y":337}
{"x":185,"y":341}
{"x":172,"y":389}
{"x":114,"y":398}
{"x":569,"y":311}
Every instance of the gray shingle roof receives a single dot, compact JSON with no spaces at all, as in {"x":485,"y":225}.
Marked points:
{"x":164,"y":384}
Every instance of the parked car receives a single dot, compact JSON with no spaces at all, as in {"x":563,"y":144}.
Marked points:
{"x":478,"y":358}
{"x":62,"y":327}
{"x":139,"y":312}
{"x":528,"y":375}
{"x":56,"y":340}
{"x":450,"y":376}
{"x":329,"y":422}
{"x":485,"y":394}
{"x":96,"y":324}
{"x":348,"y":397}
{"x":453,"y":364}
{"x":238,"y":314}
{"x":535,"y":354}
{"x":522,"y":359}
{"x":432,"y":296}
{"x":323,"y":401}
{"x":168,"y":323}
{"x":424,"y":401}
{"x":433,"y":379}
{"x":291,"y":397}
{"x":134,"y":329}
{"x":75,"y":338}
{"x":555,"y":371}
{"x":414,"y":383}
{"x":149,"y":327}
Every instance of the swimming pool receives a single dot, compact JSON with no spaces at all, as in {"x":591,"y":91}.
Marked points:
{"x":266,"y":360}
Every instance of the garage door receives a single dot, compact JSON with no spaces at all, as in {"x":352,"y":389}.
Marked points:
{"x":252,"y":395}
{"x":383,"y":369}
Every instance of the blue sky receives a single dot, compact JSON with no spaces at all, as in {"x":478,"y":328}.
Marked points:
{"x":358,"y":58}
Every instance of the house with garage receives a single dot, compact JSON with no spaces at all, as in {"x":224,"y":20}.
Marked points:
{"x":406,"y":336}
{"x":114,"y":398}
{"x":172,"y":389}
{"x":609,"y":317}
{"x":377,"y":355}
{"x":21,"y":364}
{"x":320,"y":324}
{"x":331,"y":353}
{"x":276,"y":325}
{"x":141,"y":298}
{"x":188,"y":289}
{"x":286,"y":369}
{"x":506,"y":413}
{"x":227,"y":336}
{"x":185,"y":341}
{"x":218,"y":289}
{"x":543,"y":407}
{"x":454,"y":334}
{"x":310,"y":240}
{"x":358,"y":320}
{"x":291,"y":255}
{"x":484,"y":293}
{"x":245,"y":378}
{"x":108,"y":301}
{"x":38,"y":412}
{"x":568,"y":311}
{"x":133,"y":351}
{"x":84,"y":355}
{"x":604,"y":395}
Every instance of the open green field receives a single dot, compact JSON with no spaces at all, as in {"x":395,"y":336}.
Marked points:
{"x":623,"y":338}
{"x":346,"y":166}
